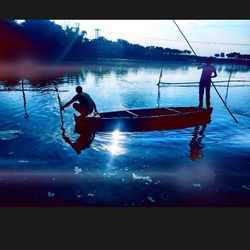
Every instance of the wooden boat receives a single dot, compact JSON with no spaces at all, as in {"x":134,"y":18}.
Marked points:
{"x":145,"y":119}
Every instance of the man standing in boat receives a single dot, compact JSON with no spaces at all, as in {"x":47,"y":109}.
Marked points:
{"x":85,"y":106}
{"x":208,"y":72}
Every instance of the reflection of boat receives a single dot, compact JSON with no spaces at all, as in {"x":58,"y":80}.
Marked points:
{"x":145,"y":119}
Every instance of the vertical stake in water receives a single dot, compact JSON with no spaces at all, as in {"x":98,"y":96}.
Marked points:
{"x":211,"y":81}
{"x":60,"y":105}
{"x":158,"y":84}
{"x":228,"y":85}
{"x":158,"y":97}
{"x":26,"y":116}
{"x":160,"y":78}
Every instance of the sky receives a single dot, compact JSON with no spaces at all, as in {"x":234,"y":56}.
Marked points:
{"x":206,"y":37}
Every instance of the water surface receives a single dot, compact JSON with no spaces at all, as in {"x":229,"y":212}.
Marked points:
{"x":40,"y":166}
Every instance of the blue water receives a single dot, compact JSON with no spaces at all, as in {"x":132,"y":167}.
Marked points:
{"x":38,"y":167}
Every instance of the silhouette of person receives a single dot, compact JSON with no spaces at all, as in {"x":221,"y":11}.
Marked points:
{"x":195,"y":144}
{"x":85,"y":106}
{"x":208,"y":72}
{"x":82,"y":142}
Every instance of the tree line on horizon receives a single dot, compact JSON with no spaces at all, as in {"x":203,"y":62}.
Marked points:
{"x":46,"y":40}
{"x":234,"y":55}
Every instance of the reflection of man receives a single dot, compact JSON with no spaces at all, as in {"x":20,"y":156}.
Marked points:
{"x":196,"y":145}
{"x":208,"y":72}
{"x":82,"y":142}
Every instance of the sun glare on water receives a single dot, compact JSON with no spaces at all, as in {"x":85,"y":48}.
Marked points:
{"x":115,"y":147}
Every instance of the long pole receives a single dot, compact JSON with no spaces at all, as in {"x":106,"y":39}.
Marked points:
{"x":211,"y":80}
{"x":60,"y":105}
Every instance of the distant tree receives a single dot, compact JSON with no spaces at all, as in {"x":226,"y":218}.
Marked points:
{"x":47,"y":37}
{"x":13,"y":41}
{"x":233,"y":55}
{"x":187,"y":52}
{"x":44,"y":39}
{"x":246,"y":57}
{"x":222,"y":54}
{"x":217,"y":55}
{"x":175,"y":51}
{"x":73,"y":41}
{"x":50,"y":40}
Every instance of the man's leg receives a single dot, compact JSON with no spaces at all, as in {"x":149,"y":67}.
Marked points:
{"x":208,"y":95}
{"x":201,"y":92}
{"x":82,"y":110}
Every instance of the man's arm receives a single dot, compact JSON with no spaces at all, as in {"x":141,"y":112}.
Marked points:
{"x":215,"y":73}
{"x":67,"y":104}
{"x":200,"y":66}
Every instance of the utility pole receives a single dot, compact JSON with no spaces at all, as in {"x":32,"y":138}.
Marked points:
{"x":97,"y":34}
{"x":77,"y":25}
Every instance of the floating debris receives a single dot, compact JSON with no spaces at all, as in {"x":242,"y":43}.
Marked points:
{"x":50,"y":194}
{"x":196,"y":185}
{"x":77,"y":170}
{"x":246,"y":187}
{"x":9,"y":134}
{"x":10,"y":153}
{"x":89,"y":194}
{"x":137,"y":177}
{"x":151,"y":199}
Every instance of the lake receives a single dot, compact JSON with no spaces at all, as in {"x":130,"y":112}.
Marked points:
{"x":183,"y":167}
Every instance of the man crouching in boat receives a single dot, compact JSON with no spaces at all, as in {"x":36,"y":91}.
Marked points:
{"x":86,"y":105}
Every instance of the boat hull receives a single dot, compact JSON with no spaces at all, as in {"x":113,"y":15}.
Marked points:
{"x":145,"y":119}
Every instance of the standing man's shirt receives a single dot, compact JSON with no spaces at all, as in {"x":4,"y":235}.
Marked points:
{"x":206,"y":75}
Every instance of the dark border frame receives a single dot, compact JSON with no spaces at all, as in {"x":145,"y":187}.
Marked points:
{"x":149,"y":226}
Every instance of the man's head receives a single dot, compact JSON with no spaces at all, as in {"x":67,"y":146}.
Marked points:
{"x":209,"y":60}
{"x":79,"y":89}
